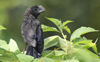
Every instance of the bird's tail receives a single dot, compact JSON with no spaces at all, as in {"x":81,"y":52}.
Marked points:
{"x":32,"y":51}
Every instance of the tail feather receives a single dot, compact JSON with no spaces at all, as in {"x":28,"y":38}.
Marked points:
{"x":32,"y":51}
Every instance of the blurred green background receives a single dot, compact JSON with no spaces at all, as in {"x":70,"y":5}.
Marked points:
{"x":82,"y":12}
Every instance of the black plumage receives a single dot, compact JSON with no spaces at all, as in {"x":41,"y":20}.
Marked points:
{"x":32,"y":32}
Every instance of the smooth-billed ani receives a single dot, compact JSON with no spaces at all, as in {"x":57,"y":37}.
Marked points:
{"x":32,"y":32}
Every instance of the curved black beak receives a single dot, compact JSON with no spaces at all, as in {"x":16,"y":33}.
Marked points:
{"x":41,"y":9}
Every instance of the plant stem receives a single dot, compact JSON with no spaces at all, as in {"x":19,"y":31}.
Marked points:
{"x":53,"y":51}
{"x":64,"y":36}
{"x":96,"y":40}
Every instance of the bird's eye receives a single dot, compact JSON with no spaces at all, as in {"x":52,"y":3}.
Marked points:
{"x":35,"y":9}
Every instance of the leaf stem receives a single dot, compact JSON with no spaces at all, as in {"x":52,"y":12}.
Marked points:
{"x":96,"y":40}
{"x":54,"y":51}
{"x":64,"y":36}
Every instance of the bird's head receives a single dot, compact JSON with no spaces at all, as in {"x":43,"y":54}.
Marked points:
{"x":35,"y":10}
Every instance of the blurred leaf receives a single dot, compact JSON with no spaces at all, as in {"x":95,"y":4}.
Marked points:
{"x":7,"y":56}
{"x":13,"y":46}
{"x":88,"y":44}
{"x":54,"y":41}
{"x":94,"y":47}
{"x":58,"y":53}
{"x":67,"y":29}
{"x":62,"y":44}
{"x":50,"y":41}
{"x":83,"y":42}
{"x":4,"y":45}
{"x":99,"y":53}
{"x":2,"y":28}
{"x":66,"y":22}
{"x":53,"y":56}
{"x":44,"y":60}
{"x":79,"y":39}
{"x":80,"y":31}
{"x":47,"y":28}
{"x":78,"y":46}
{"x":45,"y":52}
{"x":71,"y":60}
{"x":56,"y":22}
{"x":60,"y":25}
{"x":2,"y":42}
{"x":25,"y":58}
{"x":87,"y":55}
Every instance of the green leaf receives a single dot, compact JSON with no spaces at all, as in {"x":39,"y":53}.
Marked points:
{"x":2,"y":28}
{"x":48,"y":60}
{"x":88,"y":44}
{"x":50,"y":41}
{"x":56,"y":22}
{"x":54,"y":41}
{"x":58,"y":53}
{"x":67,"y":29}
{"x":7,"y":56}
{"x":71,"y":60}
{"x":47,"y":28}
{"x":25,"y":58}
{"x":53,"y":55}
{"x":62,"y":44}
{"x":4,"y":45}
{"x":78,"y":46}
{"x":80,"y":31}
{"x":46,"y":52}
{"x":13,"y":46}
{"x":98,"y":53}
{"x":83,"y":42}
{"x":66,"y":22}
{"x":79,"y":39}
{"x":44,"y":60}
{"x":87,"y":55}
{"x":94,"y":48}
{"x":93,"y":45}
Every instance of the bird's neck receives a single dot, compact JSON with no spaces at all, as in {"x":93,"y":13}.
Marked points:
{"x":30,"y":15}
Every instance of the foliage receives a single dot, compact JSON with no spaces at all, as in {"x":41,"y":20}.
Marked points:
{"x":73,"y":50}
{"x":2,"y":28}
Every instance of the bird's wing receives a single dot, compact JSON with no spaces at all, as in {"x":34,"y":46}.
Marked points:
{"x":40,"y":34}
{"x":22,"y":29}
{"x":40,"y":40}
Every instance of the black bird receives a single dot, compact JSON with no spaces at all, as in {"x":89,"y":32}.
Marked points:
{"x":32,"y":32}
